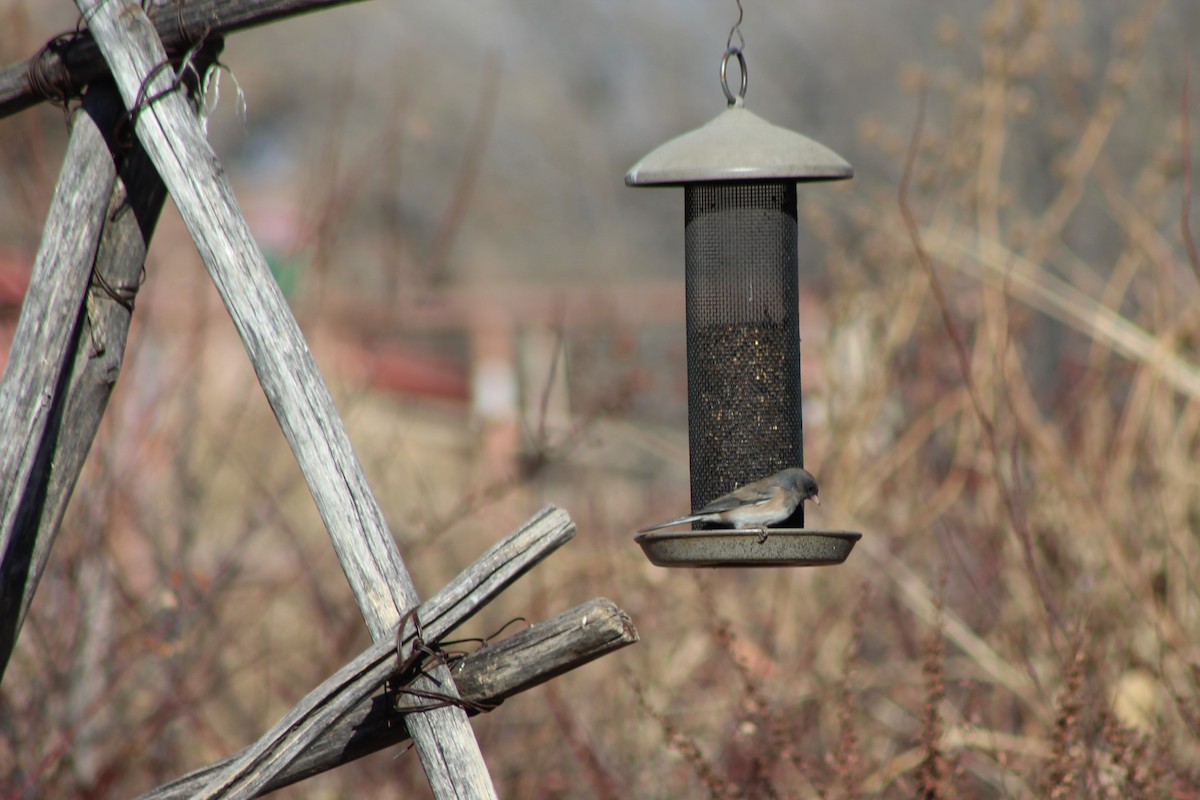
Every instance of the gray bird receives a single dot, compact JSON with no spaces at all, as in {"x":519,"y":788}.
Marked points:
{"x":756,"y":505}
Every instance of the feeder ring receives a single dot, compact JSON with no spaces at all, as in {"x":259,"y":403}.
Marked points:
{"x":741,"y":95}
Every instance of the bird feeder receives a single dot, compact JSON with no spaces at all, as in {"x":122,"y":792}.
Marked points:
{"x":739,"y":174}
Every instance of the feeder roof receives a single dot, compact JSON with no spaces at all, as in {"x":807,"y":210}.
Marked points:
{"x":738,"y":146}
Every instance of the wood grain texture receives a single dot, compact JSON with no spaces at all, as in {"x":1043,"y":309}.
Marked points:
{"x":545,"y":651}
{"x":486,"y":677}
{"x":256,"y":768}
{"x":38,"y":368}
{"x":66,"y":66}
{"x":93,"y":358}
{"x":286,"y":370}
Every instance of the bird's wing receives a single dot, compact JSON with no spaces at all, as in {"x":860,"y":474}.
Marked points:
{"x":752,"y":494}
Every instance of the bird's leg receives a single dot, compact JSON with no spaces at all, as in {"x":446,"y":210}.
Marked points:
{"x":762,"y":534}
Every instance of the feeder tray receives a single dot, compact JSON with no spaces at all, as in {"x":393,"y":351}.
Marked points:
{"x":783,"y":547}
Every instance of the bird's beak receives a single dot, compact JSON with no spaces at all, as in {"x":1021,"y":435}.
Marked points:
{"x":816,"y":499}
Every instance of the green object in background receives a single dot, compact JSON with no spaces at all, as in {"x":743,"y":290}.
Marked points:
{"x":286,"y":272}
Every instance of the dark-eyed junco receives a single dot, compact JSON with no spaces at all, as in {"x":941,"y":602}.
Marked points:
{"x":755,"y":505}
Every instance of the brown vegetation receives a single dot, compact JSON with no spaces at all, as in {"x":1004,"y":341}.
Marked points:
{"x":1006,"y":403}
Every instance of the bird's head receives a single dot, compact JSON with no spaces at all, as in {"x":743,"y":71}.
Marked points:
{"x":803,"y":481}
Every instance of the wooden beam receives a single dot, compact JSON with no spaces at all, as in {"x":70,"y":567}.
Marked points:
{"x":486,"y":677}
{"x":39,"y":365}
{"x":70,"y":62}
{"x":175,"y":141}
{"x":252,"y":770}
{"x":91,"y":361}
{"x":286,"y":370}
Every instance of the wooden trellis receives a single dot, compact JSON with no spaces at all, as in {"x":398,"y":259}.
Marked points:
{"x":67,"y":353}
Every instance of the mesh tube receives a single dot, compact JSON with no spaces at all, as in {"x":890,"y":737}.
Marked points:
{"x":743,"y":335}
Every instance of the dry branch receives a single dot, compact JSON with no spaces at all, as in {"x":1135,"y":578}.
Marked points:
{"x":66,"y":66}
{"x":486,"y":677}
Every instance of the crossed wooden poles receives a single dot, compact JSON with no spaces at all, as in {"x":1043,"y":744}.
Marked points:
{"x":66,"y":356}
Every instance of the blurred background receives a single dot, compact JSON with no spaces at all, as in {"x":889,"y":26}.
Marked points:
{"x":1000,"y":391}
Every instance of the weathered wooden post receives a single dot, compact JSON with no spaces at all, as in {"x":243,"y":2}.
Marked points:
{"x":70,"y":341}
{"x":175,"y":141}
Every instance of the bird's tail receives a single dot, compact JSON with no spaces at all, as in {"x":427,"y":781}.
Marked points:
{"x":673,"y":522}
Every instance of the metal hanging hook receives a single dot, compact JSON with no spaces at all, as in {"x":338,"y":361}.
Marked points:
{"x":741,"y":95}
{"x":732,"y":50}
